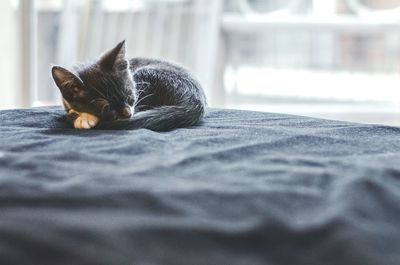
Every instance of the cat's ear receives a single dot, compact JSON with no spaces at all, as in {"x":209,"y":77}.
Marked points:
{"x":70,"y":85}
{"x":114,"y":58}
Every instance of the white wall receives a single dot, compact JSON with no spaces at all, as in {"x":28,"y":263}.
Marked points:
{"x":8,"y":56}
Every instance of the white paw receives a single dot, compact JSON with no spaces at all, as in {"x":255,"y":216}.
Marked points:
{"x":85,"y":121}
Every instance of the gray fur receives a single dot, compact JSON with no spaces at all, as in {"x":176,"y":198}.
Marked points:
{"x":164,"y":95}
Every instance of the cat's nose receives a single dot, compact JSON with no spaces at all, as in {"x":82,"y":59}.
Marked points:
{"x":126,"y":113}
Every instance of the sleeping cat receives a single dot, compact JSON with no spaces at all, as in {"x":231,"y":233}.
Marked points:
{"x":116,"y":93}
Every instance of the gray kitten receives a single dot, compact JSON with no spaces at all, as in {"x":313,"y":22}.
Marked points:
{"x":117,"y":93}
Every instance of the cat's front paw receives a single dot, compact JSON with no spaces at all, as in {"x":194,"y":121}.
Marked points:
{"x":85,"y":121}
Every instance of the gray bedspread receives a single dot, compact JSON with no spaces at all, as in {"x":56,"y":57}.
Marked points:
{"x":242,"y":188}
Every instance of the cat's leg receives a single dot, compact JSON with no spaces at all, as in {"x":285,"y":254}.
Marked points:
{"x":82,"y":120}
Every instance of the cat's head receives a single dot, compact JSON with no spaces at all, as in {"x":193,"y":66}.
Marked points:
{"x":104,"y":89}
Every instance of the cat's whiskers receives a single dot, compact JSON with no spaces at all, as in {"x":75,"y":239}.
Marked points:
{"x":140,"y":91}
{"x":137,"y":102}
{"x":137,"y":95}
{"x":143,"y":83}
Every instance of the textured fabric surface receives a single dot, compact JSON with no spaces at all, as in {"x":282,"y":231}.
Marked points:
{"x":242,"y":188}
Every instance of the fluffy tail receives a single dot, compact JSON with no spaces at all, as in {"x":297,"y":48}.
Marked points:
{"x":164,"y":118}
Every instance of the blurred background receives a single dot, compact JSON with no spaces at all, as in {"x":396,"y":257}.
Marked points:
{"x":337,"y":59}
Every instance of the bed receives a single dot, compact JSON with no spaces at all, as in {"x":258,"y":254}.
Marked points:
{"x":242,"y":188}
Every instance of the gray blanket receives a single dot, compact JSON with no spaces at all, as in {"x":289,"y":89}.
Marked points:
{"x":242,"y":188}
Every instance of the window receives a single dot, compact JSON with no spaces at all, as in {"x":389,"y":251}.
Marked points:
{"x":327,"y":58}
{"x":321,"y":58}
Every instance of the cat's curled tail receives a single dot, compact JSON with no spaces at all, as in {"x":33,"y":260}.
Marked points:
{"x":164,"y":118}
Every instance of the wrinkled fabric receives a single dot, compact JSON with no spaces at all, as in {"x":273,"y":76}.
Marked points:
{"x":242,"y":188}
